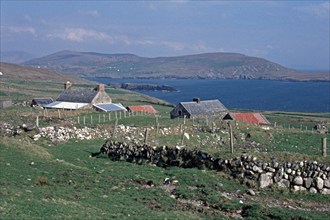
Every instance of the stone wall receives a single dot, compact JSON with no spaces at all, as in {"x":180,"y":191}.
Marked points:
{"x":297,"y":176}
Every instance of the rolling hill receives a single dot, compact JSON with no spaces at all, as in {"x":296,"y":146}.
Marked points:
{"x":200,"y":66}
{"x":14,"y":71}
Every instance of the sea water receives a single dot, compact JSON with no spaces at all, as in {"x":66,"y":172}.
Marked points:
{"x":243,"y":94}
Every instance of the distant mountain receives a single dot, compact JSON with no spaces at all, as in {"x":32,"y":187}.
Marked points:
{"x":16,"y":57}
{"x":14,"y":71}
{"x":203,"y":66}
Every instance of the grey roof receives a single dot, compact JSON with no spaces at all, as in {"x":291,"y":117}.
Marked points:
{"x":110,"y":107}
{"x":207,"y":107}
{"x":42,"y":101}
{"x":82,"y":96}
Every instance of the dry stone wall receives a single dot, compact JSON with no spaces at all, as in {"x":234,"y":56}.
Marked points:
{"x":297,"y":176}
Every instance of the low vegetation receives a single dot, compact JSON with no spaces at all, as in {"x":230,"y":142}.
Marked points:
{"x":61,"y":181}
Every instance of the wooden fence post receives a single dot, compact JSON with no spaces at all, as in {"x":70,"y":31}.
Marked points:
{"x":115,"y":128}
{"x":157,"y":125}
{"x":78,"y":120}
{"x":146,"y":136}
{"x":91,"y":119}
{"x":231,"y":138}
{"x":37,"y":121}
{"x":84,"y":120}
{"x":182,"y":137}
{"x":324,"y":147}
{"x":99,"y":118}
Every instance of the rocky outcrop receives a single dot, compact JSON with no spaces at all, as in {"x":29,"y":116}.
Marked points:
{"x":298,"y":176}
{"x":147,"y":87}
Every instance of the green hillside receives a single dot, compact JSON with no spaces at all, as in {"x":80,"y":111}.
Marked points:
{"x":203,"y":66}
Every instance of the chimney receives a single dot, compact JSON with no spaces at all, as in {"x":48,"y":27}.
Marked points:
{"x":67,"y":85}
{"x":100,"y":88}
{"x":197,"y":100}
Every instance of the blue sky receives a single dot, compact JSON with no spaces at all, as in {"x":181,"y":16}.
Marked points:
{"x":292,"y":33}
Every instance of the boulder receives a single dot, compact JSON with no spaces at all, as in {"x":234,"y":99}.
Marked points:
{"x":312,"y":190}
{"x":298,"y":188}
{"x":319,"y":182}
{"x":283,"y":183}
{"x":257,"y":169}
{"x":325,"y":191}
{"x":265,"y":179}
{"x":251,"y":192}
{"x":308,"y":182}
{"x":327,"y":183}
{"x":298,"y":180}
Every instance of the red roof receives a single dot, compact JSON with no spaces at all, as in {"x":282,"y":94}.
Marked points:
{"x":143,"y":108}
{"x":254,"y":118}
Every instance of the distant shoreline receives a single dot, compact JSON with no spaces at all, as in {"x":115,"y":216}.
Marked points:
{"x":209,"y":78}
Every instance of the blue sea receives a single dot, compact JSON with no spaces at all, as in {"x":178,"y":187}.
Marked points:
{"x":243,"y":94}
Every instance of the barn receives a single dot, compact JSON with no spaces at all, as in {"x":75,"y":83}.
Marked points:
{"x":76,"y":99}
{"x":198,"y":108}
{"x":248,"y":117}
{"x":142,"y":108}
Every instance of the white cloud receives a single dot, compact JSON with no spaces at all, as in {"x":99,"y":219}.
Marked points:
{"x":80,"y":35}
{"x":27,"y":18}
{"x":93,"y":13}
{"x":29,"y":30}
{"x":321,"y":10}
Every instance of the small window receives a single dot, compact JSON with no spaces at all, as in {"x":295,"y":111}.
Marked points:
{"x":179,"y":112}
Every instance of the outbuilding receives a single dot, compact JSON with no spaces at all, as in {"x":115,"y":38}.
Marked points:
{"x":198,"y":108}
{"x":142,"y":108}
{"x":41,"y":102}
{"x":248,"y":117}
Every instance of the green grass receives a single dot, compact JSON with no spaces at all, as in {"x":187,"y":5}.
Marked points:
{"x":61,"y":181}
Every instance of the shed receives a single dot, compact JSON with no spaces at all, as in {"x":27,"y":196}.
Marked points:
{"x":248,"y":117}
{"x":41,"y":102}
{"x":142,"y":108}
{"x":198,"y":108}
{"x":110,"y":107}
{"x":5,"y":103}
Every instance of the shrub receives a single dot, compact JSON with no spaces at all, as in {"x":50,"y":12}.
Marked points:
{"x":42,"y":180}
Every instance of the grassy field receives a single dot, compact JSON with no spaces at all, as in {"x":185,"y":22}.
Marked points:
{"x":63,"y":182}
{"x":41,"y":179}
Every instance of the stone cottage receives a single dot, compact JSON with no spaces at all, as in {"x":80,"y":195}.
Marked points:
{"x":76,"y":99}
{"x":198,"y":108}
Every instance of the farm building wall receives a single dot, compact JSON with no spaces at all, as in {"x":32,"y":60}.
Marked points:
{"x":179,"y":111}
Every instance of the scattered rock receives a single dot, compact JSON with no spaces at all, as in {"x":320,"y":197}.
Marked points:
{"x":250,"y":192}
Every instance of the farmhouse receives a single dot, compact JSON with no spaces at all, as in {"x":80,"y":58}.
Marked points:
{"x":198,"y":108}
{"x":248,"y":117}
{"x":76,"y":99}
{"x":142,"y":108}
